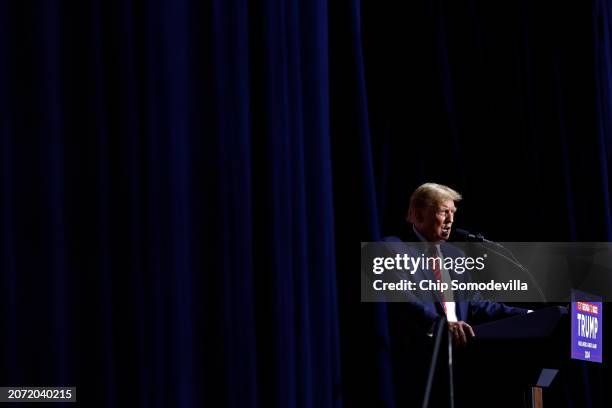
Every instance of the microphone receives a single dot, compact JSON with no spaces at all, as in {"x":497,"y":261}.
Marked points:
{"x":468,"y":236}
{"x":478,"y":237}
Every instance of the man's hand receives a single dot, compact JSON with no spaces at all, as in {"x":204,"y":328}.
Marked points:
{"x":461,"y":333}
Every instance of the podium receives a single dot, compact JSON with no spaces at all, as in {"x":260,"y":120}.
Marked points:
{"x":511,"y":360}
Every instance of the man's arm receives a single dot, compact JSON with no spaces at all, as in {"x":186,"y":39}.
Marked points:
{"x":486,"y":311}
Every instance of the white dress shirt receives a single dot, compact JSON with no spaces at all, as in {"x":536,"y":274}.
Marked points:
{"x":451,"y":314}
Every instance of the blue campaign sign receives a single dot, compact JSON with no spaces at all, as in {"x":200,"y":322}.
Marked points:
{"x":587,"y":327}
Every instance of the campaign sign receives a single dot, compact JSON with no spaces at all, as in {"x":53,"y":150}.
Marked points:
{"x":587,"y":328}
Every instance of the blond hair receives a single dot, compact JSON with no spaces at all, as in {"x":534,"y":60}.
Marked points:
{"x":430,"y":194}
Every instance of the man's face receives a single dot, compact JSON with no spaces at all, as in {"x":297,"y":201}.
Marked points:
{"x":434,"y":222}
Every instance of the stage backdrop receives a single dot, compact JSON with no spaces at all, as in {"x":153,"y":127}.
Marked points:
{"x":167,"y":202}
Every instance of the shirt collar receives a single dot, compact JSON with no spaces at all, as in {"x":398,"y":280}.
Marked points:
{"x":419,"y":236}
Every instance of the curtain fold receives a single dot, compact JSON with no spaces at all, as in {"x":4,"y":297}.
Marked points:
{"x":167,"y":205}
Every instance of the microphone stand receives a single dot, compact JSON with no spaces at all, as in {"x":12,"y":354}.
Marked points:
{"x":443,"y":323}
{"x":512,"y":259}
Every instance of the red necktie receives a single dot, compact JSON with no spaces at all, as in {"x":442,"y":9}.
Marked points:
{"x":433,"y":253}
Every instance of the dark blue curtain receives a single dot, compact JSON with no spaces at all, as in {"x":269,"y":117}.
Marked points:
{"x":167,"y":203}
{"x":602,"y":35}
{"x":182,"y":183}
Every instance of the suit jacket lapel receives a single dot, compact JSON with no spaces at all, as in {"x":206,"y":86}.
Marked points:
{"x":419,"y":247}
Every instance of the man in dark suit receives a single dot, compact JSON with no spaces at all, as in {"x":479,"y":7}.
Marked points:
{"x":430,"y":219}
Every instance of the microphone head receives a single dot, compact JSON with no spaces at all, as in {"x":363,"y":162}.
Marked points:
{"x":468,"y":236}
{"x":462,"y":233}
